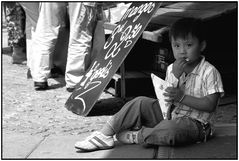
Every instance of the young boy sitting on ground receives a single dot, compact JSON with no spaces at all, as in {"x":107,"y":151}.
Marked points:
{"x":197,"y":87}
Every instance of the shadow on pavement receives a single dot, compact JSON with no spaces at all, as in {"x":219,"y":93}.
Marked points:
{"x":108,"y":106}
{"x":7,"y":51}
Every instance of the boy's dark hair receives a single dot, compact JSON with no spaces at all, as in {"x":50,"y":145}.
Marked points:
{"x":185,"y":26}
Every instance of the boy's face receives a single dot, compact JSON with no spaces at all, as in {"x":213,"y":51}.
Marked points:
{"x":189,"y":48}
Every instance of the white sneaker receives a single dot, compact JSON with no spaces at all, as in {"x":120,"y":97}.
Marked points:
{"x":128,"y":137}
{"x":96,"y":141}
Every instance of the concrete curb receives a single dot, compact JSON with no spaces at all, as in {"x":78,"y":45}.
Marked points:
{"x":21,"y":146}
{"x":223,"y":146}
{"x":62,"y":147}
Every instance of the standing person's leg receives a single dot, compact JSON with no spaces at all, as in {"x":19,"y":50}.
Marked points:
{"x":32,"y":13}
{"x":82,"y":24}
{"x":51,"y":19}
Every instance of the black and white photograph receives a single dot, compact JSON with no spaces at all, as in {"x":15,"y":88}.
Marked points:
{"x":131,"y":80}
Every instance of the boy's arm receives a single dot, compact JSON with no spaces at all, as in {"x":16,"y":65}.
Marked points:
{"x":174,"y":71}
{"x":207,"y":103}
{"x":214,"y":89}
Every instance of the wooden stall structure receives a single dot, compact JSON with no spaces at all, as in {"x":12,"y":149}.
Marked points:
{"x":152,"y":53}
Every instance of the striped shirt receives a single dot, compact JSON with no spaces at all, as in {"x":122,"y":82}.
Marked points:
{"x":202,"y":81}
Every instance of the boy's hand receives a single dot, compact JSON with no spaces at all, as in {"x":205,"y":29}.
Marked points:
{"x":178,"y":67}
{"x":173,"y":94}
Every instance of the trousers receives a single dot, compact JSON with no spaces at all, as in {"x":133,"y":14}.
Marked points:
{"x":144,"y":114}
{"x":32,"y":13}
{"x":52,"y":18}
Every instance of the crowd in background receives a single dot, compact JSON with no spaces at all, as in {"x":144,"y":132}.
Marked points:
{"x":33,"y":31}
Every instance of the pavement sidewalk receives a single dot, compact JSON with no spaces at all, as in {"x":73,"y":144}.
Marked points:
{"x":222,"y":146}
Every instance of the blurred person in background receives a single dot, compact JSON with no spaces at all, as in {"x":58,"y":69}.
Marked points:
{"x":83,"y":17}
{"x":32,"y":13}
{"x":15,"y":18}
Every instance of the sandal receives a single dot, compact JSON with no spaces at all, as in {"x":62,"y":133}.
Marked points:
{"x":128,"y":137}
{"x":96,"y":141}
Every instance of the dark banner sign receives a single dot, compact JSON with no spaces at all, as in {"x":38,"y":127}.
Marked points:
{"x":115,"y":50}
